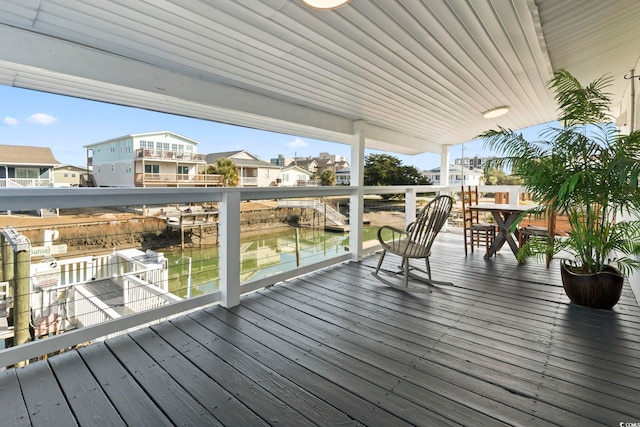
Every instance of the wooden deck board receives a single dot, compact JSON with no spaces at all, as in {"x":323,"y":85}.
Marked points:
{"x":248,"y":377}
{"x":310,"y":381}
{"x":494,"y":375}
{"x":89,"y":403}
{"x":12,"y":398}
{"x":131,"y":401}
{"x":502,"y":346}
{"x":44,"y":399}
{"x":177,"y":404}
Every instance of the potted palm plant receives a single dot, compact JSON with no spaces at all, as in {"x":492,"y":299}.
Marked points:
{"x":586,"y":168}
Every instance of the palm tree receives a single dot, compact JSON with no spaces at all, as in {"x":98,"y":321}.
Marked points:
{"x":227,"y":169}
{"x":585,"y":168}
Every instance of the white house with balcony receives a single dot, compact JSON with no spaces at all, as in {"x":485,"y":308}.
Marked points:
{"x":23,"y":166}
{"x":252,"y":171}
{"x":154,"y":159}
{"x":343,"y":176}
{"x":295,"y":176}
{"x":456,"y":172}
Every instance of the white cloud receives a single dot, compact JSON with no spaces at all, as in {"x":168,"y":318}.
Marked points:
{"x":41,"y":119}
{"x":297,"y":143}
{"x":10,"y":121}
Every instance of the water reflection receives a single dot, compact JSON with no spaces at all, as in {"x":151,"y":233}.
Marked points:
{"x":260,"y":256}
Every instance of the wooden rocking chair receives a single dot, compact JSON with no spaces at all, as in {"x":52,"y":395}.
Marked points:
{"x":415,"y":242}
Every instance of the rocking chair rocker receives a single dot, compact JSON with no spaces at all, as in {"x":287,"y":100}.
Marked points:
{"x":415,"y":242}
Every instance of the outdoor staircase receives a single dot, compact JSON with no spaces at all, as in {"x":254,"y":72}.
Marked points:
{"x":332,"y":216}
{"x":87,"y":180}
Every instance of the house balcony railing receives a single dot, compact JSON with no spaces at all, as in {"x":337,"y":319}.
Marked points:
{"x":175,"y":179}
{"x":231,"y":280}
{"x":179,"y":156}
{"x":248,"y":181}
{"x":25,"y":182}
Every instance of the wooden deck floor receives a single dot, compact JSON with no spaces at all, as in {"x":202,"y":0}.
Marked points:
{"x":501,"y":347}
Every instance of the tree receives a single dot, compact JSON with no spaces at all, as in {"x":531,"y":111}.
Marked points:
{"x":496,"y":176}
{"x":227,"y":169}
{"x":328,"y":177}
{"x":383,"y":169}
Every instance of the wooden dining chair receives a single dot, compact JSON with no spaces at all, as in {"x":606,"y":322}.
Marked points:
{"x":476,"y":233}
{"x":414,"y":242}
{"x":547,"y":225}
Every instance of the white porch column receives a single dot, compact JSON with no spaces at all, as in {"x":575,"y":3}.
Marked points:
{"x":444,"y":165}
{"x":356,"y":200}
{"x":229,"y":236}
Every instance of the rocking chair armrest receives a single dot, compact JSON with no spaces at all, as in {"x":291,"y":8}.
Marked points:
{"x":393,"y":230}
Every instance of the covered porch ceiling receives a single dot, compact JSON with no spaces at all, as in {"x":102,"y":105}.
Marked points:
{"x":419,"y":73}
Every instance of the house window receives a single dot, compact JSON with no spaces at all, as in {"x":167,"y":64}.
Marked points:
{"x":151,"y":168}
{"x":27,"y":173}
{"x":73,"y":175}
{"x":183,"y":170}
{"x":66,"y":175}
{"x":285,"y":177}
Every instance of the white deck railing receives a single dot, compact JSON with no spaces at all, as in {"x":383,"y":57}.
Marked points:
{"x":141,"y":296}
{"x":25,"y":182}
{"x":88,"y":309}
{"x":230,"y":287}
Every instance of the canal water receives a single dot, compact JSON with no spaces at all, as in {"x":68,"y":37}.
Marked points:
{"x":260,"y":256}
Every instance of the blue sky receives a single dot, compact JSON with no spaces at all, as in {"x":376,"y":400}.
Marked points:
{"x":66,"y":124}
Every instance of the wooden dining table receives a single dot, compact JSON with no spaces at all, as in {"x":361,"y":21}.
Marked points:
{"x":504,"y":215}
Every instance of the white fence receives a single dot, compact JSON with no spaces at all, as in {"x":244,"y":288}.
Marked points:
{"x":141,"y":296}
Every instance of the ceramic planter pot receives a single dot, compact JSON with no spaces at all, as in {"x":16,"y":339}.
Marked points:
{"x":596,"y":290}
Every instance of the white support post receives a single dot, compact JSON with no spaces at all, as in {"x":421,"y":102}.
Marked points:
{"x":410,"y":205}
{"x":444,"y":165}
{"x":444,"y":174}
{"x":229,"y":235}
{"x":356,"y":200}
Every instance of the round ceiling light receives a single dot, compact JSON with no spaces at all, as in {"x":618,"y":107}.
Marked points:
{"x":325,"y":4}
{"x":495,"y":112}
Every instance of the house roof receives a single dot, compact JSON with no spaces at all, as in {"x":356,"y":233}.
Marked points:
{"x":70,"y":167}
{"x":295,"y":168}
{"x":415,"y":75}
{"x":304,"y":162}
{"x":20,"y":155}
{"x":146,"y":134}
{"x":252,"y":161}
{"x":457,"y":169}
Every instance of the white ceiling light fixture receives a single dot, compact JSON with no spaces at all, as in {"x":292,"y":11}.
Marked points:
{"x":325,"y":4}
{"x":495,"y":112}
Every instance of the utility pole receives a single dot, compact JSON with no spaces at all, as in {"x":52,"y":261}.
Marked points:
{"x":22,"y":270}
{"x":462,"y":165}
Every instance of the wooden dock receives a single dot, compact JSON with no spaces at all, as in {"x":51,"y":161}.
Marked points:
{"x":188,"y":221}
